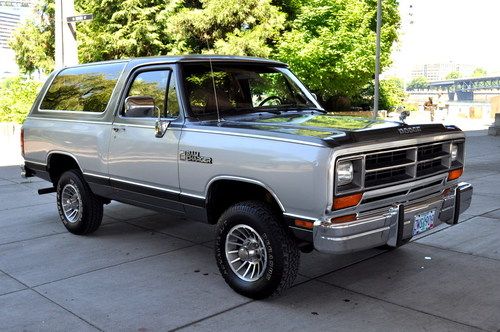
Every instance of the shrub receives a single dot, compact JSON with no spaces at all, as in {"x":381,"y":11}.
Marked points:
{"x":16,"y":97}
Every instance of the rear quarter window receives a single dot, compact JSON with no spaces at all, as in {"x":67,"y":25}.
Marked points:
{"x":82,"y":89}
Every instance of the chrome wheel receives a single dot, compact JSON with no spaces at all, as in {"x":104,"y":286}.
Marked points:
{"x":246,"y":253}
{"x":71,"y":202}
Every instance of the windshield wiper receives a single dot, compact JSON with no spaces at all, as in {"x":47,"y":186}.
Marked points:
{"x":305,"y":108}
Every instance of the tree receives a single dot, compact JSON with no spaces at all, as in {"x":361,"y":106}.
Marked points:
{"x":16,"y":98}
{"x":33,"y":42}
{"x":453,"y":75}
{"x":129,"y":28}
{"x":237,"y":27}
{"x":392,"y":93}
{"x":418,"y":83}
{"x":331,"y":45}
{"x":479,"y":72}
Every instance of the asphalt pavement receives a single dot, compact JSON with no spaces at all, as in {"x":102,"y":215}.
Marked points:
{"x":143,"y":271}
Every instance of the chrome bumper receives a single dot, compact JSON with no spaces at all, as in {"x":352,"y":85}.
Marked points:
{"x":389,"y":226}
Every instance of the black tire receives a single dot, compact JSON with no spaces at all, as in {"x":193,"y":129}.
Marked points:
{"x":390,"y":248}
{"x":89,"y":217}
{"x":283,"y":255}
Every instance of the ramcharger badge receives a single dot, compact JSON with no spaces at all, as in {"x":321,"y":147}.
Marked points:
{"x":195,"y":156}
{"x":410,"y":130}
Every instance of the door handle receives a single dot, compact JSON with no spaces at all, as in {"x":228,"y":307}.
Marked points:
{"x":117,"y":129}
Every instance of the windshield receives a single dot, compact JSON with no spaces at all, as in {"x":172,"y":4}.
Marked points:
{"x":240,"y":89}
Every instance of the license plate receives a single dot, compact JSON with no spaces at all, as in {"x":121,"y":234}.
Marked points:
{"x":423,"y":222}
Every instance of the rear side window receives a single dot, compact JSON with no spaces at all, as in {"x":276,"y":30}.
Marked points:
{"x":82,"y":89}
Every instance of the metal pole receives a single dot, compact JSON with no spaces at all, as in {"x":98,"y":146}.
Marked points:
{"x":66,"y":50}
{"x":377,"y":60}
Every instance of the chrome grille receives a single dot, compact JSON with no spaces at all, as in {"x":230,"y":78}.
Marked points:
{"x":389,"y":167}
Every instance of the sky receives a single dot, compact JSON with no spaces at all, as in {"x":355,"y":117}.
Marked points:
{"x":459,"y":31}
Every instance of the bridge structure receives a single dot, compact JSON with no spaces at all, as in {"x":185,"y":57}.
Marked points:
{"x":464,"y":88}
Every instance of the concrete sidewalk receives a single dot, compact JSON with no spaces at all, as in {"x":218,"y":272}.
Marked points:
{"x":142,"y":271}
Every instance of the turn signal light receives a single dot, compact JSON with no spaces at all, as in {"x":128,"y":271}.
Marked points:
{"x":340,"y":220}
{"x":346,"y":201}
{"x":304,"y":224}
{"x":455,"y":174}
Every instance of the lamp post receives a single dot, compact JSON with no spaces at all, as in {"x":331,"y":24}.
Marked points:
{"x":377,"y":60}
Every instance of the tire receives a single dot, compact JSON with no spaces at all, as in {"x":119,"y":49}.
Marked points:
{"x":80,"y":210}
{"x":390,"y":248}
{"x":274,"y":269}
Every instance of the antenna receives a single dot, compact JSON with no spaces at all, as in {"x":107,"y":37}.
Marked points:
{"x":213,"y":82}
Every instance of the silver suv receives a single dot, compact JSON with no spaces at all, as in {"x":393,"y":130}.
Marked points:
{"x":241,"y":143}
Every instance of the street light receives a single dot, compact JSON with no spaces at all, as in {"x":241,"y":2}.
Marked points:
{"x":377,"y":60}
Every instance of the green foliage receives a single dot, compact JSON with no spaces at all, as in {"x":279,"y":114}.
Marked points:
{"x":392,"y":93}
{"x":418,"y":83}
{"x":121,"y":29}
{"x":289,"y":7}
{"x":33,"y":42}
{"x":236,"y":27}
{"x":479,"y":72}
{"x":16,"y":97}
{"x":331,"y":45}
{"x":453,"y":75}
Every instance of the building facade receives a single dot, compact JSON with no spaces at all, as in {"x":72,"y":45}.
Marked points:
{"x":439,"y":71}
{"x":12,"y":14}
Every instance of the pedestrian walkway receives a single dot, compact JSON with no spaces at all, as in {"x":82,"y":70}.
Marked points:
{"x":143,"y":271}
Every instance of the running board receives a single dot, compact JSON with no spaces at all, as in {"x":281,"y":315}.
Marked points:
{"x":46,"y":191}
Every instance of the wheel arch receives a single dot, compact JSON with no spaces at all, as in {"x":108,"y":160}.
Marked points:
{"x":59,"y":162}
{"x":226,"y":190}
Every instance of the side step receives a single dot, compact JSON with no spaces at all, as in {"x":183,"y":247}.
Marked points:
{"x":46,"y":191}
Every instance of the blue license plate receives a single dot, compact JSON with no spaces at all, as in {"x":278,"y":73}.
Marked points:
{"x":423,"y":222}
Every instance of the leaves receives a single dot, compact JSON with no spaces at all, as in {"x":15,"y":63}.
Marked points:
{"x":237,"y":27}
{"x":332,"y":44}
{"x":16,"y":97}
{"x":453,"y":75}
{"x":418,"y":83}
{"x":329,"y":44}
{"x":479,"y":72}
{"x":33,"y":42}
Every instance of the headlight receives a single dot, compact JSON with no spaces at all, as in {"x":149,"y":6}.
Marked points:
{"x":454,"y":152}
{"x":345,"y":173}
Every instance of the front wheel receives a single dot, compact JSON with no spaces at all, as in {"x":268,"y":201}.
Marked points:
{"x":80,"y":210}
{"x":255,"y":253}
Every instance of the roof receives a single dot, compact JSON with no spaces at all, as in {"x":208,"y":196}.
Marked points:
{"x":191,"y":58}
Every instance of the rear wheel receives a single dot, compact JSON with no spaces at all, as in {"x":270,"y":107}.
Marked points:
{"x":255,"y":254}
{"x":80,"y":210}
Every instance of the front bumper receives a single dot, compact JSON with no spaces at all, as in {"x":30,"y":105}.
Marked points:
{"x":389,"y":226}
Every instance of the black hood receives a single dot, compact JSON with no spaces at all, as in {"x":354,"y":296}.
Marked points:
{"x":332,"y":129}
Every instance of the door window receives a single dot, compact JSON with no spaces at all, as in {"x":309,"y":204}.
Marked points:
{"x":159,"y":85}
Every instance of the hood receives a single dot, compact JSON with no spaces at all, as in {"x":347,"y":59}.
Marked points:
{"x":333,"y":129}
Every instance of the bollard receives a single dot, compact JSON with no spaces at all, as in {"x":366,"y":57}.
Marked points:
{"x":494,"y":130}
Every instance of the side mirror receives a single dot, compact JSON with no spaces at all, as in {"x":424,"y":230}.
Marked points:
{"x":139,"y":107}
{"x":314,"y":95}
{"x":161,"y":127}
